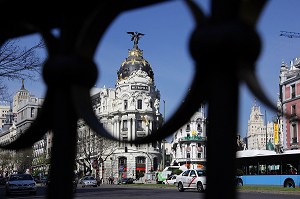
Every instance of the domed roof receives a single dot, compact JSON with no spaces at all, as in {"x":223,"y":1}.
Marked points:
{"x":134,"y":61}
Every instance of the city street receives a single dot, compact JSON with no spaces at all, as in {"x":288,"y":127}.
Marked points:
{"x":114,"y":191}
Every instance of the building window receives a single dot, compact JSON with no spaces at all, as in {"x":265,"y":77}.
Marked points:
{"x":199,"y":155}
{"x":188,"y":127}
{"x":188,"y":155}
{"x":293,"y":91}
{"x":139,"y":125}
{"x":293,"y":111}
{"x":139,"y":104}
{"x":122,"y":162}
{"x":125,"y":104}
{"x":141,"y":160}
{"x":32,"y":112}
{"x":294,"y":133}
{"x":125,"y":127}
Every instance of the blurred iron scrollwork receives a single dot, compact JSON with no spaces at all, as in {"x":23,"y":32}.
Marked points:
{"x":229,"y":33}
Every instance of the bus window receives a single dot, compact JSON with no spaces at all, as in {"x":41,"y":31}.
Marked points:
{"x":291,"y":169}
{"x":253,"y":170}
{"x":262,"y":169}
{"x":273,"y":169}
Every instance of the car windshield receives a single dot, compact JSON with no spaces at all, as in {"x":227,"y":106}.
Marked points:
{"x":89,"y":178}
{"x":20,"y":177}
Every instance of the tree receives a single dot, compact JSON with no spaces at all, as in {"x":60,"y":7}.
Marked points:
{"x":23,"y":159}
{"x":91,"y":147}
{"x":18,"y":63}
{"x":6,"y":159}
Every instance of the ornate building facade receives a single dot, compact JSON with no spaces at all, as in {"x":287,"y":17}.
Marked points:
{"x":189,"y":142}
{"x":24,"y":110}
{"x":258,"y":137}
{"x":4,"y":109}
{"x":129,"y":111}
{"x":289,"y":86}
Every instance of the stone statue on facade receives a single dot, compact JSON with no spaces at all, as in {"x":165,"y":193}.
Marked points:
{"x":156,"y":105}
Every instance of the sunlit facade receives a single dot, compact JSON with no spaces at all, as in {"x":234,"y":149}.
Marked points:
{"x":189,"y":143}
{"x":129,"y":111}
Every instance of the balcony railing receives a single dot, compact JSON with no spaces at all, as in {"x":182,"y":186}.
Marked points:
{"x":293,"y":118}
{"x":193,"y":138}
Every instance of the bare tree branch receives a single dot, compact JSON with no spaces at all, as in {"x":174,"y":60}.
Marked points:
{"x":18,"y":63}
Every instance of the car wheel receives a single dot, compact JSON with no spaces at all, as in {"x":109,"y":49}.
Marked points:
{"x":200,"y":187}
{"x":180,"y":187}
{"x":289,"y":183}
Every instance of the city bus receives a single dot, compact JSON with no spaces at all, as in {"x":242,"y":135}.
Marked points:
{"x":264,"y":167}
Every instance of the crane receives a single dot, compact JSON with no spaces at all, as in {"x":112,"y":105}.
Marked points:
{"x":289,"y":34}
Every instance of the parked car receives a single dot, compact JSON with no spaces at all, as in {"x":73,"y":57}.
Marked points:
{"x":40,"y":179}
{"x":192,"y":179}
{"x":170,"y":180}
{"x":88,"y":181}
{"x":126,"y":181}
{"x":20,"y":183}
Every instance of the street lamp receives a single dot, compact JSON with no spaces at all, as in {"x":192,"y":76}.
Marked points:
{"x":266,"y":129}
{"x":163,"y":161}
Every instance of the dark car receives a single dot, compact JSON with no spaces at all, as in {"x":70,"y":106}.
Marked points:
{"x":126,"y":181}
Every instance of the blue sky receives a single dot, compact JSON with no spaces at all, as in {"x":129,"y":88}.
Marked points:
{"x":167,"y":28}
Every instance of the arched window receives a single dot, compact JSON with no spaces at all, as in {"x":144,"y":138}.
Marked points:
{"x":139,"y":104}
{"x":125,"y":104}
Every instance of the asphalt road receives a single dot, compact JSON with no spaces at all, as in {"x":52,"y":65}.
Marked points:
{"x":115,"y":191}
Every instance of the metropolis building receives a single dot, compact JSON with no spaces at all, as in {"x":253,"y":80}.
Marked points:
{"x":128,"y":111}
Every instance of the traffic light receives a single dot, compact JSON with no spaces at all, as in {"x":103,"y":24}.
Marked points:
{"x":126,"y":150}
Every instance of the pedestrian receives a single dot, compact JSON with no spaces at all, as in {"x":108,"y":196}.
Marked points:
{"x":98,"y":180}
{"x":111,"y":180}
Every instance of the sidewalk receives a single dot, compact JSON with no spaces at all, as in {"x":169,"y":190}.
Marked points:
{"x":144,"y":181}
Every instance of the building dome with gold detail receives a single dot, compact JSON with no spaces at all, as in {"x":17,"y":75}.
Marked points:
{"x":135,"y":61}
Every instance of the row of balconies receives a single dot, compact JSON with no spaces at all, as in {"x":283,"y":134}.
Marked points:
{"x":192,"y":138}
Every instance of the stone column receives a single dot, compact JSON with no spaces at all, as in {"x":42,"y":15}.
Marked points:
{"x":118,"y":128}
{"x":129,"y":124}
{"x":133,"y":128}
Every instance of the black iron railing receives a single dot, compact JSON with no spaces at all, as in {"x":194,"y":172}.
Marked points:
{"x":70,"y":72}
